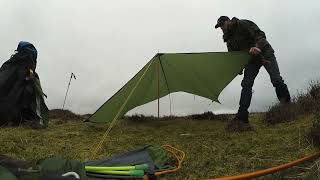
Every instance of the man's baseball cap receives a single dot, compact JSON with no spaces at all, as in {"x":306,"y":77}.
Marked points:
{"x":221,"y":21}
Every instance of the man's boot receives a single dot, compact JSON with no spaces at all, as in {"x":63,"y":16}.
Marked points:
{"x":240,"y":123}
{"x":283,"y":93}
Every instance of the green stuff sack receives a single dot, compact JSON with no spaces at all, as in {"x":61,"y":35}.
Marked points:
{"x":6,"y":174}
{"x":61,"y":166}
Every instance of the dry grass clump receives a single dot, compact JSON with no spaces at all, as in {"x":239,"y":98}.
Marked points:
{"x":304,"y":104}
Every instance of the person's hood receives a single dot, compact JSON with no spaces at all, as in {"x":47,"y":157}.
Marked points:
{"x":27,"y":48}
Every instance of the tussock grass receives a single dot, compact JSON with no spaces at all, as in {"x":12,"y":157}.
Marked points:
{"x":303,"y":104}
{"x":210,"y":150}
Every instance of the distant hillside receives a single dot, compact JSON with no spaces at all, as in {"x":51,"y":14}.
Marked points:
{"x":63,"y":115}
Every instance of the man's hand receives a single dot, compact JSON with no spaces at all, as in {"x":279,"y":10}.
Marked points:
{"x":254,"y":51}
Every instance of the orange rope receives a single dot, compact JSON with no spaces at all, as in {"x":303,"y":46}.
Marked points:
{"x":178,"y":154}
{"x":270,"y":170}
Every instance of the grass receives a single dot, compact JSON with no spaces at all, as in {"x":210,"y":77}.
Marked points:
{"x":210,"y":150}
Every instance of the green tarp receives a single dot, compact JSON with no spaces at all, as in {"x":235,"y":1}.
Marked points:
{"x":202,"y":74}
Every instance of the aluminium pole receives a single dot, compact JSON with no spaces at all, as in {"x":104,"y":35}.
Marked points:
{"x":72,"y":75}
{"x":158,"y":77}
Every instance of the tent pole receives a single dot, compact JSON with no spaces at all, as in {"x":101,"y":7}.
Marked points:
{"x":158,"y":78}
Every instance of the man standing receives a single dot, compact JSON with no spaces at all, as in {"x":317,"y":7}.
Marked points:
{"x":244,"y":35}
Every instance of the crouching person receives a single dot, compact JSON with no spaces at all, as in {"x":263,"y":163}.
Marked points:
{"x":21,"y":96}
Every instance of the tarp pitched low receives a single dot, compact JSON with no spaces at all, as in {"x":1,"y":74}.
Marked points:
{"x":202,"y":74}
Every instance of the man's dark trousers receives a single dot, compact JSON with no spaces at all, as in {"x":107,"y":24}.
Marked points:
{"x":250,"y":73}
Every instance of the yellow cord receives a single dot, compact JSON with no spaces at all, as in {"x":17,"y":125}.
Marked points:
{"x":96,"y":149}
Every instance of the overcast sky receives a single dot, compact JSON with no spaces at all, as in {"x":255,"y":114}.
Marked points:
{"x":106,"y":42}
